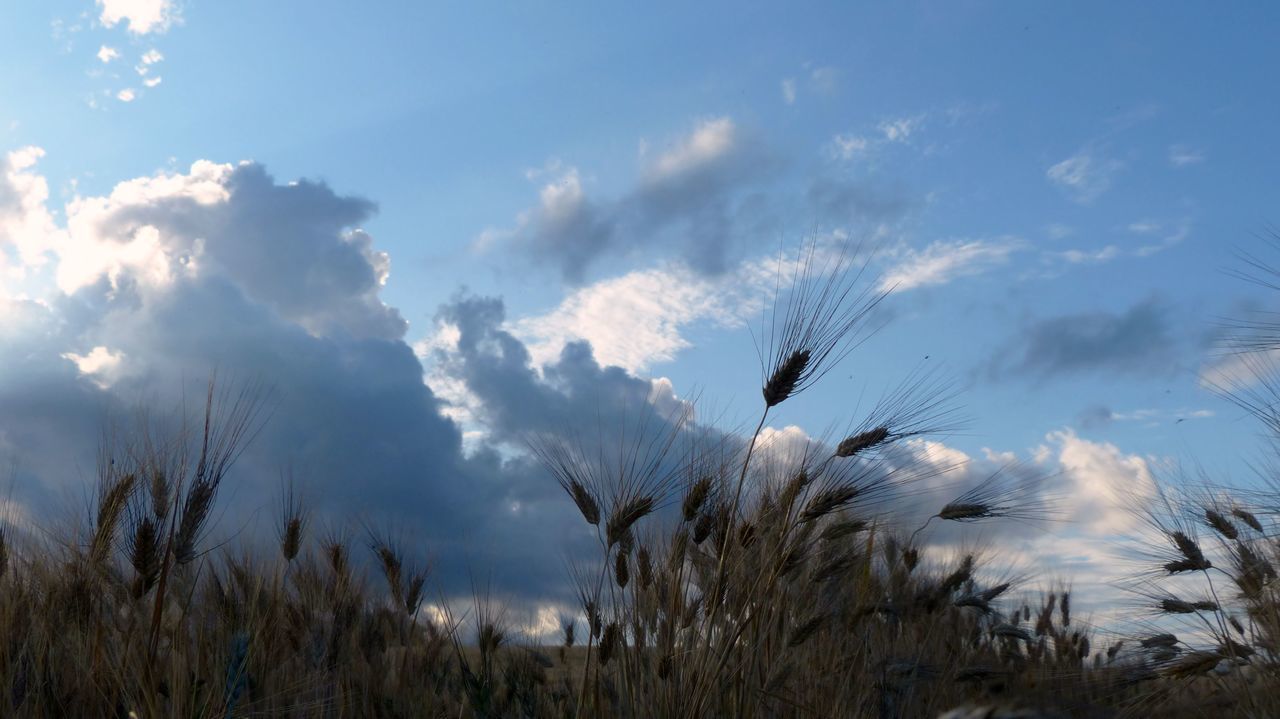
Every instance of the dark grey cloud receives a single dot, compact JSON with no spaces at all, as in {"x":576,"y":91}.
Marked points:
{"x":688,"y":199}
{"x":718,"y":192}
{"x":1139,"y":340}
{"x":574,"y":393}
{"x":1095,"y":416}
{"x":853,"y":198}
{"x":275,"y":283}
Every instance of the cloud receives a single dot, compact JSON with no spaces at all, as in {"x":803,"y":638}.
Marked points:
{"x":1079,"y":257}
{"x":1084,"y":176}
{"x":1182,"y":156}
{"x":1101,"y":480}
{"x":140,"y":292}
{"x":1137,"y":341}
{"x":788,"y":87}
{"x":900,"y":129}
{"x":824,"y":79}
{"x":27,"y":227}
{"x":107,"y":54}
{"x":688,"y":195}
{"x":148,"y":59}
{"x":126,"y":95}
{"x":636,"y":320}
{"x":143,"y":16}
{"x":848,"y":147}
{"x":1099,"y":416}
{"x":945,"y":260}
{"x":144,"y":290}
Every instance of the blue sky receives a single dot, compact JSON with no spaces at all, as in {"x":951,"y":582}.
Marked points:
{"x":1057,"y":191}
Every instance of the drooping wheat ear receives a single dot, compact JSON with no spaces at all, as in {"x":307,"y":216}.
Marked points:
{"x":1235,"y":624}
{"x":1253,"y":571}
{"x":1193,"y":557}
{"x":959,"y":576}
{"x":1221,"y":524}
{"x":816,"y":322}
{"x":231,"y":420}
{"x":1159,"y":641}
{"x":982,"y":600}
{"x":702,"y":528}
{"x":158,"y":489}
{"x":144,"y":554}
{"x":608,"y":643}
{"x":1000,"y":495}
{"x":1248,"y":518}
{"x":1193,"y":664}
{"x":489,"y":637}
{"x":568,"y":626}
{"x":862,"y":441}
{"x":391,"y":562}
{"x":196,"y":508}
{"x":291,"y":538}
{"x":828,"y":501}
{"x":840,"y":529}
{"x":624,"y":516}
{"x":335,"y":553}
{"x":806,"y":629}
{"x":1173,"y":605}
{"x":923,"y":403}
{"x":112,"y":502}
{"x":620,"y":572}
{"x":910,"y":558}
{"x":570,"y":468}
{"x":782,"y":383}
{"x":1012,"y":631}
{"x":644,"y":563}
{"x":585,"y":502}
{"x":965,"y":511}
{"x":414,"y":588}
{"x":679,"y":549}
{"x":695,"y":498}
{"x":293,"y":520}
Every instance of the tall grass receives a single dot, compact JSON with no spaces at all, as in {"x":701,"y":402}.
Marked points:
{"x":730,"y":578}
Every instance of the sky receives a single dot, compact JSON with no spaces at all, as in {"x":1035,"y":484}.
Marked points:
{"x":434,"y":229}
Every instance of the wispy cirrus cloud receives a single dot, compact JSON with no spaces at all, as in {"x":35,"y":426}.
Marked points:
{"x":1184,"y":155}
{"x":946,"y":260}
{"x":1085,"y":176}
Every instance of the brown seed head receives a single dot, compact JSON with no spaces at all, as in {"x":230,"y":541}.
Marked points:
{"x":862,"y":441}
{"x":783,"y":380}
{"x":1221,"y":524}
{"x":291,"y":538}
{"x":697,"y":496}
{"x":1247,"y":518}
{"x":585,"y":502}
{"x":624,"y":516}
{"x":620,"y":572}
{"x":608,"y":643}
{"x":828,"y":501}
{"x":961,"y":511}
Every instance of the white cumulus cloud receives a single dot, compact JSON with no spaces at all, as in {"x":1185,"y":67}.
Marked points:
{"x":142,"y":16}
